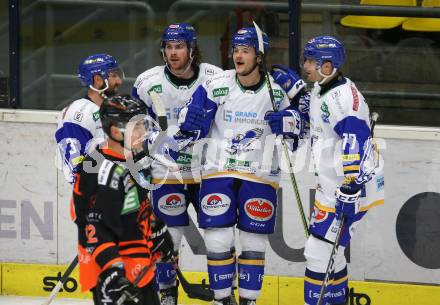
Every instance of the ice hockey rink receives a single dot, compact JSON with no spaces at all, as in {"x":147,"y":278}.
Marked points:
{"x":14,"y":300}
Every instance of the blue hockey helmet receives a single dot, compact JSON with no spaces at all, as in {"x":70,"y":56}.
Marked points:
{"x":248,"y":37}
{"x":179,"y":32}
{"x":325,"y":48}
{"x":97,"y":64}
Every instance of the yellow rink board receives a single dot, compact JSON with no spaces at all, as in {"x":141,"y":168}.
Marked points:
{"x":38,"y":280}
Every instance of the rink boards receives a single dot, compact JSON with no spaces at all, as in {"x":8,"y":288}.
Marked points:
{"x":38,"y":280}
{"x":398,"y":242}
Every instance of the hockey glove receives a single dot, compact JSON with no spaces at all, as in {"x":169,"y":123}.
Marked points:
{"x":163,"y":245}
{"x":287,"y":122}
{"x":192,"y":117}
{"x":347,"y":202}
{"x":288,"y":80}
{"x":112,"y":284}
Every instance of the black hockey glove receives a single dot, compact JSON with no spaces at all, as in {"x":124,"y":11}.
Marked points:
{"x":112,"y":284}
{"x":163,"y":245}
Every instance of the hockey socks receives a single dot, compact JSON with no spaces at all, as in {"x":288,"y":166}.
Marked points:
{"x":336,"y":290}
{"x":250,"y":274}
{"x":166,"y":275}
{"x":339,"y":288}
{"x":221,"y":270}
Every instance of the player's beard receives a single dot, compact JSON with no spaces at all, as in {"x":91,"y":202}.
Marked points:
{"x":110,"y":92}
{"x":249,"y":71}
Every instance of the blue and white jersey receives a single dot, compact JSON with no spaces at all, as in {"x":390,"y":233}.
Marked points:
{"x":78,"y":124}
{"x":173,"y":98}
{"x":342,"y":148}
{"x":240,"y":143}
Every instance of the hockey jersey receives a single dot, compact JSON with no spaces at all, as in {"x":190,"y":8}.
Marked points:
{"x":78,"y":124}
{"x":105,"y":205}
{"x":342,"y":148}
{"x":173,"y":98}
{"x":239,"y":141}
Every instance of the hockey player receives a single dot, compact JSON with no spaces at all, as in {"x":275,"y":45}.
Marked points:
{"x":79,"y":122}
{"x":175,"y":82}
{"x":238,"y":185}
{"x":346,"y":159}
{"x":118,"y":234}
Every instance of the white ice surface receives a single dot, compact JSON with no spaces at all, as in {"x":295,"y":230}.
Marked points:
{"x":11,"y":300}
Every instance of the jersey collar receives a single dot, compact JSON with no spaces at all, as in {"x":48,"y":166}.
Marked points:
{"x":180,"y":82}
{"x":113,"y":154}
{"x":254,"y":88}
{"x":333,"y":83}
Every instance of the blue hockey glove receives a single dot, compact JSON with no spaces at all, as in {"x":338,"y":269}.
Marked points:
{"x":287,"y":122}
{"x":347,"y":203}
{"x":288,"y":80}
{"x":192,"y":118}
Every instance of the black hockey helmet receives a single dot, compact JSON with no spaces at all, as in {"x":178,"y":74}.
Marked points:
{"x":118,"y":110}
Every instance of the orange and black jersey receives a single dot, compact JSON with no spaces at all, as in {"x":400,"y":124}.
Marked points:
{"x":106,"y":204}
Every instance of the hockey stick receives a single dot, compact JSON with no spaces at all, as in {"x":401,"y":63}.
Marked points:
{"x":61,"y":282}
{"x":260,"y":52}
{"x":163,"y":124}
{"x":329,"y":270}
{"x":194,"y":291}
{"x":125,"y":295}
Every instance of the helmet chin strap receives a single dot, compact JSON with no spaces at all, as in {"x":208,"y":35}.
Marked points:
{"x":100,"y":91}
{"x":326,"y":77}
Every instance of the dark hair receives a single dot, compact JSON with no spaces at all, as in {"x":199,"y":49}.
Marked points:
{"x":197,"y":55}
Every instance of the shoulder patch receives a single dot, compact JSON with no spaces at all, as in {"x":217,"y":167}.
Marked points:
{"x":209,"y":71}
{"x":223,"y":91}
{"x":78,"y":116}
{"x":104,"y":172}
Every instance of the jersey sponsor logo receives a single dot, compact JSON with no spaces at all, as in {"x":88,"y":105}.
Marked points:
{"x":223,"y":277}
{"x":172,"y":204}
{"x":259,"y":209}
{"x":325,"y":113}
{"x":96,"y":115}
{"x":49,"y":283}
{"x":278,"y":93}
{"x":156,"y":88}
{"x":242,"y":166}
{"x":131,"y":201}
{"x":227,"y":115}
{"x":246,"y":114}
{"x":355,"y":97}
{"x":104,"y":171}
{"x":215,"y":204}
{"x":184,"y":159}
{"x":220,"y":91}
{"x":351,"y":157}
{"x":114,"y":184}
{"x":78,"y":116}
